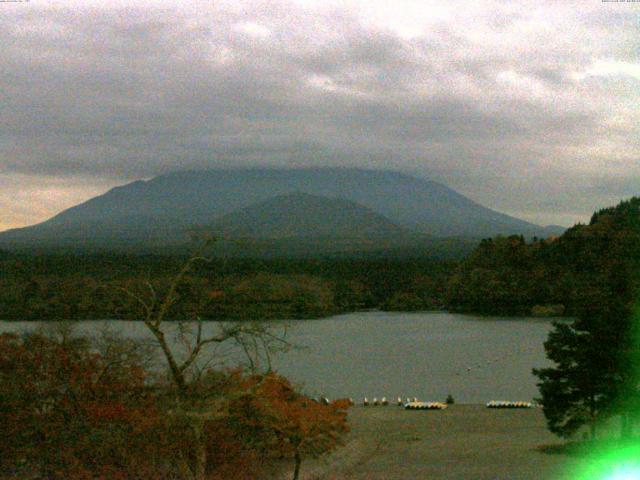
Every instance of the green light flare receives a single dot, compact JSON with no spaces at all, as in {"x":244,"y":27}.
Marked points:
{"x":611,"y":459}
{"x":620,"y":461}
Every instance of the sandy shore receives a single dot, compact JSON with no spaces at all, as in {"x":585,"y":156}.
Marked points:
{"x":462,"y":442}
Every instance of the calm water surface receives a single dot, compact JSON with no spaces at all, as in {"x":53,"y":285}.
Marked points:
{"x":375,"y":354}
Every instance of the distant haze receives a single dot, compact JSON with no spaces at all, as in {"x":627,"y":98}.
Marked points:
{"x":527,"y":107}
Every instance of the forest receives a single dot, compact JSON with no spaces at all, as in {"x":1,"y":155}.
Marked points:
{"x":509,"y":276}
{"x":76,"y":286}
{"x":501,"y":276}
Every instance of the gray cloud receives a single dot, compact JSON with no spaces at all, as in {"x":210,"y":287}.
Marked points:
{"x":522,"y":105}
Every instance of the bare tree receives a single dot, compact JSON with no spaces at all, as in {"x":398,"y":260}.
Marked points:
{"x":189,"y":356}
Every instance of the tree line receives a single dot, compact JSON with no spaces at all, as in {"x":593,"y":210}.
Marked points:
{"x":78,"y":287}
{"x":511,"y":276}
{"x":501,"y":276}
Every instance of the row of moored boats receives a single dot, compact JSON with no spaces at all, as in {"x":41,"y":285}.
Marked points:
{"x":415,"y":404}
{"x":505,"y":404}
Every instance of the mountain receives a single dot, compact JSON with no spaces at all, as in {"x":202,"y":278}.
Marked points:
{"x":303,"y":215}
{"x":161,"y":210}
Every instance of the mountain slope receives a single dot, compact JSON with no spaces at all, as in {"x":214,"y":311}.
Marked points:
{"x":161,"y":209}
{"x":508,"y":276}
{"x":304,"y":215}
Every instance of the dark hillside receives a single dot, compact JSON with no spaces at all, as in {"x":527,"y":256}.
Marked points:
{"x":507,"y":275}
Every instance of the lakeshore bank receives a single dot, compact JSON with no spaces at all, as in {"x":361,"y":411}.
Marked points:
{"x":463,"y":442}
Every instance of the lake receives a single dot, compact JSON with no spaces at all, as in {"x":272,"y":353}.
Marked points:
{"x":426,"y":355}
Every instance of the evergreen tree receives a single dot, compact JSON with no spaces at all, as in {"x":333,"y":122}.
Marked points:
{"x":590,"y":374}
{"x":596,"y":356}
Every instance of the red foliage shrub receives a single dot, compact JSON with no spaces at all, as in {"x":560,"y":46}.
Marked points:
{"x":69,"y":414}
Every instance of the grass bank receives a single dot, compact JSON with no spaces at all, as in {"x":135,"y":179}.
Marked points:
{"x":460,"y":443}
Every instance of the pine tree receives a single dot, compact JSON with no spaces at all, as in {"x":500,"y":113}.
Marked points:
{"x":596,"y":356}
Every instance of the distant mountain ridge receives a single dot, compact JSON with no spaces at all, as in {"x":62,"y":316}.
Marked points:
{"x":160,"y":210}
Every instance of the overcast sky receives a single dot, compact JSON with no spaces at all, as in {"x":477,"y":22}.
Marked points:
{"x":528,"y":107}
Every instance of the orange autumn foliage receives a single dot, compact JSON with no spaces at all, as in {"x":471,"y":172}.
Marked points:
{"x":69,"y":413}
{"x":286,"y":423}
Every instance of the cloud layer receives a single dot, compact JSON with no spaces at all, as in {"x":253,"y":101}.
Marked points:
{"x":528,"y":107}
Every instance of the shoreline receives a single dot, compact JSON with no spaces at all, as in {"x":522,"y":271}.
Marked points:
{"x":478,"y":316}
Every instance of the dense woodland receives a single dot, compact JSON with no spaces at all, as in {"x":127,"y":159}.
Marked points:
{"x":509,"y":276}
{"x":501,"y":276}
{"x":54,"y":287}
